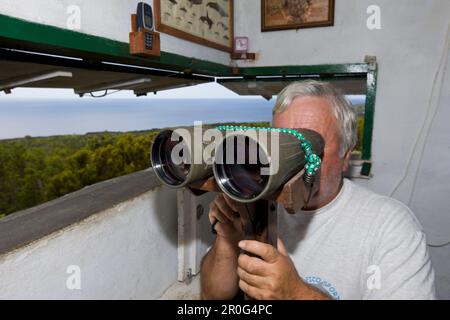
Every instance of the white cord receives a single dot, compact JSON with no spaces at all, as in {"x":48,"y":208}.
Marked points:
{"x":445,"y":57}
{"x":427,"y":125}
{"x":438,"y":245}
{"x":430,"y":105}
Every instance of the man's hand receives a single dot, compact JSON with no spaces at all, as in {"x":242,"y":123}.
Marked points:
{"x":229,"y":226}
{"x":273,"y":276}
{"x":219,"y":279}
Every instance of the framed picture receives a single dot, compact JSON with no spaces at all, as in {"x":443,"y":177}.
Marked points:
{"x":209,"y":23}
{"x":241,"y":44}
{"x":296,"y":14}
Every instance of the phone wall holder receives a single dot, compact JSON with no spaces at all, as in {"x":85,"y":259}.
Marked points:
{"x":144,"y":42}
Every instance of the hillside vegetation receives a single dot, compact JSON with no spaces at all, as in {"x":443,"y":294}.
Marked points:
{"x":37,"y":170}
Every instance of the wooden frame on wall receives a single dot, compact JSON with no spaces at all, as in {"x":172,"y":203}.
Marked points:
{"x":206,"y":23}
{"x":296,"y":14}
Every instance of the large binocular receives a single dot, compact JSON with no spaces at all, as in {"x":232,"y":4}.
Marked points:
{"x":247,"y":165}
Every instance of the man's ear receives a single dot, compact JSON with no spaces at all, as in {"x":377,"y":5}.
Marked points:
{"x":346,"y":160}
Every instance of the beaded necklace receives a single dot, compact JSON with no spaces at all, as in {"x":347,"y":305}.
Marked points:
{"x":313,"y":161}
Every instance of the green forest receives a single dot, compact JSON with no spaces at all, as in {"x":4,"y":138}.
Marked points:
{"x":34,"y":170}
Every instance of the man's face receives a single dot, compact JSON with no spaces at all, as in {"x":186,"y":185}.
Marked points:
{"x":316,"y":114}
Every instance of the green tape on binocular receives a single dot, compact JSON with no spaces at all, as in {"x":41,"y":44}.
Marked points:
{"x":313,"y":161}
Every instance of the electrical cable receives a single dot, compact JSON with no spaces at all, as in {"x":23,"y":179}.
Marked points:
{"x":100,"y":96}
{"x":438,"y":245}
{"x":446,"y":57}
{"x":435,"y":111}
{"x":425,"y":129}
{"x":430,"y":105}
{"x":106,"y":93}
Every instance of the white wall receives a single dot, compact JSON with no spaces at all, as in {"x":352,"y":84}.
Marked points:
{"x":430,"y":198}
{"x":408,"y":50}
{"x":119,"y":252}
{"x":105,"y":18}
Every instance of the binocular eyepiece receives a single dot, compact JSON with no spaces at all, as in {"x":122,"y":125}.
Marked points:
{"x":247,"y":165}
{"x":173,"y":158}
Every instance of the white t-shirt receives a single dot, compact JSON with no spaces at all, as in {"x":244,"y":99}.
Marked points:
{"x":360,"y":246}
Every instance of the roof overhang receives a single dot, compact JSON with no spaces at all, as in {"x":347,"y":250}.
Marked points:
{"x":30,"y":70}
{"x":267,"y":86}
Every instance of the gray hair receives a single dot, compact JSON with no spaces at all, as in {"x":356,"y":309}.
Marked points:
{"x":342,"y":108}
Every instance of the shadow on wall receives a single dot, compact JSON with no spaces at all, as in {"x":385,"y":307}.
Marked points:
{"x":166,"y":216}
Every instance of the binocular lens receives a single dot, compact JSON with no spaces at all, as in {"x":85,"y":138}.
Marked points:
{"x":170,"y":172}
{"x":240,"y":169}
{"x":246,"y":167}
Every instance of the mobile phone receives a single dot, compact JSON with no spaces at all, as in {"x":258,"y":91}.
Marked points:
{"x":144,"y":16}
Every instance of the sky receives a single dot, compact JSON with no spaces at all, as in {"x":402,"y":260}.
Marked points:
{"x":46,"y":112}
{"x":19,"y":118}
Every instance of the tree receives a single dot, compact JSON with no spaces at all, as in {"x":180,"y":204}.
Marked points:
{"x":36,"y":170}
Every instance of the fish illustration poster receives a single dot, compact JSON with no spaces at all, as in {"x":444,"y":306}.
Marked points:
{"x":208,"y":22}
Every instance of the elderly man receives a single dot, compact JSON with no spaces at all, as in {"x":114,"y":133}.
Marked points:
{"x":349,"y":243}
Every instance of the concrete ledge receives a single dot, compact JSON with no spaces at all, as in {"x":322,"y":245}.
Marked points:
{"x":24,"y":227}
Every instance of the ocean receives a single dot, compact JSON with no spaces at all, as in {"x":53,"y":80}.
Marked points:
{"x":48,"y":117}
{"x":19,"y":118}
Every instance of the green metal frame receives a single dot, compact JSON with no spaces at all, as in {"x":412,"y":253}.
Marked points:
{"x":20,"y":34}
{"x":325,"y":69}
{"x":367,"y":70}
{"x":372,"y":77}
{"x":289,"y":78}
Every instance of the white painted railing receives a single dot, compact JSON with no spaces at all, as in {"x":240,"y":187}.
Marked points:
{"x":127,"y":251}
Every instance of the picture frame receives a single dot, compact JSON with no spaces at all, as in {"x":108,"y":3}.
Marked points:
{"x":209,"y":23}
{"x":296,"y":14}
{"x":241,"y":44}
